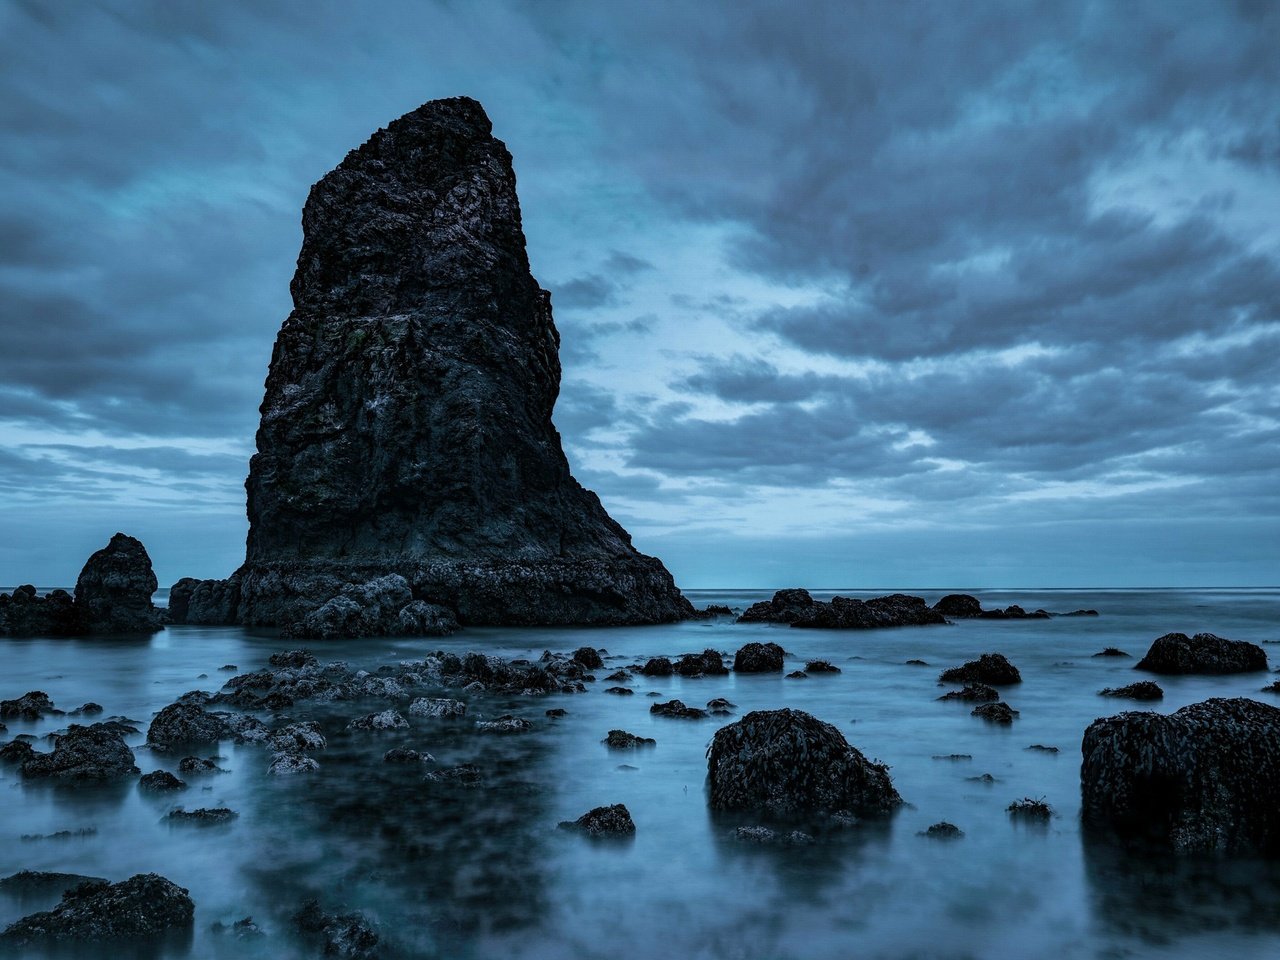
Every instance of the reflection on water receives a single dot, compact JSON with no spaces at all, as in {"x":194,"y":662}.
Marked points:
{"x":481,"y":871}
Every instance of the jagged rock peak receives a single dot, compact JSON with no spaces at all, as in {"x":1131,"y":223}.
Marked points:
{"x":406,"y":427}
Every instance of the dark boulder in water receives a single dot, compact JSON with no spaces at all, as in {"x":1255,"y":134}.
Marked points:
{"x":758,"y":658}
{"x":1014,"y":612}
{"x":788,"y":762}
{"x":1030,"y":809}
{"x":973,"y":693}
{"x":349,"y":936}
{"x":990,"y":668}
{"x":143,"y":907}
{"x":407,"y":423}
{"x":113,"y":592}
{"x":16,"y":752}
{"x":1142,"y":690}
{"x":706,"y":663}
{"x":797,"y":608}
{"x":94,"y":753}
{"x":677,"y":709}
{"x":1204,"y":653}
{"x":204,"y":817}
{"x":160,"y":781}
{"x":1201,"y":780}
{"x":820,"y":666}
{"x":29,"y":706}
{"x":658,"y":667}
{"x":589,"y":657}
{"x":185,"y":723}
{"x":26,"y":613}
{"x":999,"y":712}
{"x":603,"y":822}
{"x":621,"y":740}
{"x":1111,"y":652}
{"x":942,"y":830}
{"x":959,"y":606}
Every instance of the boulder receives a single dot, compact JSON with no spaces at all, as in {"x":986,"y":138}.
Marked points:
{"x":658,"y":667}
{"x":677,"y":709}
{"x":706,"y":663}
{"x":406,"y":755}
{"x":386,"y":720}
{"x":999,"y":712}
{"x":160,"y":781}
{"x":143,"y":907}
{"x":1142,"y":690}
{"x":114,"y":590}
{"x":438,"y":708}
{"x":603,"y":822}
{"x":198,"y":765}
{"x":621,"y":740}
{"x":94,"y":753}
{"x":820,"y":666}
{"x":16,"y":752}
{"x":758,"y":658}
{"x":973,"y":692}
{"x":504,"y":724}
{"x":204,"y":817}
{"x":799,"y":609}
{"x":1205,"y":653}
{"x":990,"y":668}
{"x":348,"y":936}
{"x":959,"y":606}
{"x":181,"y":724}
{"x":589,"y":657}
{"x":297,"y":738}
{"x":290,"y":762}
{"x":29,"y":706}
{"x":34,"y":884}
{"x":788,"y":762}
{"x":1203,"y":779}
{"x":942,"y":830}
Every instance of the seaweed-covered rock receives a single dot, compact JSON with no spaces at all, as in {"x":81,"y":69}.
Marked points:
{"x":974,"y":693}
{"x":1142,"y":690}
{"x":113,"y":591}
{"x":959,"y":606}
{"x":386,"y":720}
{"x":990,"y":668}
{"x":1203,"y":779}
{"x":1205,"y":653}
{"x":677,"y":709}
{"x":142,"y":907}
{"x":29,"y":706}
{"x":93,"y":753}
{"x":589,"y":657}
{"x":789,"y":762}
{"x":758,"y":658}
{"x":438,"y":708}
{"x":706,"y":663}
{"x":180,"y":724}
{"x":293,"y":659}
{"x":1032,"y":809}
{"x":348,"y":936}
{"x":621,"y":740}
{"x":658,"y":667}
{"x":160,"y":781}
{"x":603,"y":822}
{"x":999,"y":712}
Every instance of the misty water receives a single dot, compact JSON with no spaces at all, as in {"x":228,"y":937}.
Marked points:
{"x":483,"y":872}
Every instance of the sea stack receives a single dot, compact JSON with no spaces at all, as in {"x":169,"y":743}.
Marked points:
{"x":406,"y":429}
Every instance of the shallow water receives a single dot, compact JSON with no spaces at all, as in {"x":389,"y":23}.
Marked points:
{"x":479,"y":873}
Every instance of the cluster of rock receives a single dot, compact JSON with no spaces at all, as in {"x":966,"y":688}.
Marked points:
{"x":94,"y":911}
{"x":964,"y":606}
{"x":406,"y":428}
{"x":797,"y":608}
{"x":112,"y":595}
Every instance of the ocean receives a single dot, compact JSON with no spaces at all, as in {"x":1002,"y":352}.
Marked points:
{"x":483,"y":872}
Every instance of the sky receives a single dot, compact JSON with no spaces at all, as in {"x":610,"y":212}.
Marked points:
{"x":911,"y":294}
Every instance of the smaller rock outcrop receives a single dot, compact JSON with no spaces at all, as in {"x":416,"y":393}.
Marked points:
{"x":973,"y":693}
{"x":943,"y":830}
{"x":114,"y":590}
{"x":143,"y":907}
{"x":160,"y":781}
{"x":678,"y":710}
{"x":180,"y":724}
{"x":990,"y":668}
{"x":437,"y":708}
{"x":788,"y":762}
{"x":1205,"y":653}
{"x":1203,"y":779}
{"x":758,"y":658}
{"x":603,"y":822}
{"x":1030,"y":809}
{"x":707,"y":663}
{"x":1142,"y":690}
{"x":798,"y":609}
{"x":658,"y":667}
{"x":29,"y":706}
{"x":385,"y":720}
{"x":999,"y":712}
{"x":589,"y":657}
{"x":204,"y":817}
{"x":959,"y":606}
{"x":94,"y":753}
{"x":378,"y":607}
{"x":621,"y":740}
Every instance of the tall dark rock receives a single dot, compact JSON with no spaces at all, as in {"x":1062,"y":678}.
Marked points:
{"x":407,"y":425}
{"x":113,"y":591}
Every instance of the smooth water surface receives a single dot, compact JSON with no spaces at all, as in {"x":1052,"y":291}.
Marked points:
{"x":484,"y":873}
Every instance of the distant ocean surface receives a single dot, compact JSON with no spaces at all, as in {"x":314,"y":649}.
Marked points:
{"x":484,"y":873}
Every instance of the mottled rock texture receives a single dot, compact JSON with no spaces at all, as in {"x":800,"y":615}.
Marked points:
{"x":612,"y":821}
{"x":1203,"y":653}
{"x":789,"y":762}
{"x":1201,"y":780}
{"x":406,"y":427}
{"x":94,"y":753}
{"x":142,"y":907}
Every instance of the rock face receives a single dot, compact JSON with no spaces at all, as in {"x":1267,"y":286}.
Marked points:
{"x":113,"y":592}
{"x":406,"y":427}
{"x":797,"y":608}
{"x":1203,"y":653}
{"x":1201,"y":780}
{"x":144,"y":906}
{"x":752,"y":765}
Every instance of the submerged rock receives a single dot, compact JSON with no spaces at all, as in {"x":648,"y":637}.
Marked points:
{"x":758,"y":658}
{"x":297,"y":738}
{"x":1142,"y":690}
{"x":198,"y":765}
{"x":1029,"y":809}
{"x":677,"y":709}
{"x":386,"y":720}
{"x":289,"y":762}
{"x":94,"y":753}
{"x":767,"y":837}
{"x":658,"y":667}
{"x":789,"y":762}
{"x":406,"y":755}
{"x":974,"y":693}
{"x":465,"y":774}
{"x":820,"y":666}
{"x":999,"y":712}
{"x":406,"y":427}
{"x":603,"y":822}
{"x":621,"y":740}
{"x":29,"y":706}
{"x":160,"y":781}
{"x":349,"y":936}
{"x":589,"y":657}
{"x":504,"y":724}
{"x":204,"y":817}
{"x":990,"y":668}
{"x":114,"y":590}
{"x":1176,"y":653}
{"x":143,"y":907}
{"x":438,"y":708}
{"x":16,"y":752}
{"x":180,"y":724}
{"x":1111,"y":652}
{"x":942,"y":830}
{"x":1203,"y":779}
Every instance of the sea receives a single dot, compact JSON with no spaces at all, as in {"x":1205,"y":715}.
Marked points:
{"x":483,"y":872}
